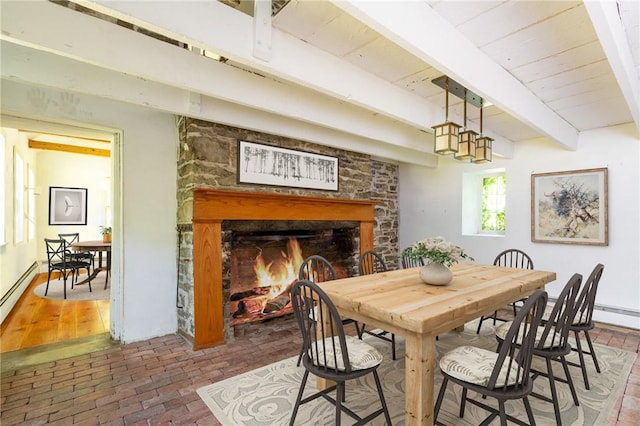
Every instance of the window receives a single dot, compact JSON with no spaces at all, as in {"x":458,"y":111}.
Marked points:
{"x":18,"y":198}
{"x":3,"y":167}
{"x":494,"y":197}
{"x":31,"y":203}
{"x":484,"y":202}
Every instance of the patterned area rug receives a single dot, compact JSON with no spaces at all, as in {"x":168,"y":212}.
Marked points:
{"x":79,"y":292}
{"x":265,"y":396}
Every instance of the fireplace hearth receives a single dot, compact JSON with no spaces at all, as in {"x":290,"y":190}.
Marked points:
{"x":265,"y":264}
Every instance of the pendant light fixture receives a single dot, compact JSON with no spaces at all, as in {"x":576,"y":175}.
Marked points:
{"x":467,"y":139}
{"x":446,"y":134}
{"x":483,"y":144}
{"x":448,"y":139}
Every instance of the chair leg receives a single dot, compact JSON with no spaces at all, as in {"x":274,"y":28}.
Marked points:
{"x":300,"y":358}
{"x":64,"y":284}
{"x":480,"y":325}
{"x":443,"y":388}
{"x":554,"y":393}
{"x":527,"y":407}
{"x":299,"y":398}
{"x":463,"y":402}
{"x":339,"y":399}
{"x":46,"y":289}
{"x":592,"y":352}
{"x":393,"y":346}
{"x":583,"y":367}
{"x":502,"y":413}
{"x":360,"y":331}
{"x":382,"y":400}
{"x":565,"y":366}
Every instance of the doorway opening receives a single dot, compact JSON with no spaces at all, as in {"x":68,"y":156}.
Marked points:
{"x":55,"y":155}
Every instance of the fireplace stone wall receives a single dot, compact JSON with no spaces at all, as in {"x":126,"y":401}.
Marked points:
{"x":208,"y":159}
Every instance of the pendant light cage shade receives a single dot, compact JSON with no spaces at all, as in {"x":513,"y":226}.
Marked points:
{"x":483,"y":150}
{"x":446,"y":138}
{"x":466,"y":145}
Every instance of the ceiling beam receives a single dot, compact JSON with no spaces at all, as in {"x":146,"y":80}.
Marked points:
{"x":75,"y":149}
{"x":42,"y":69}
{"x":91,"y":41}
{"x":419,"y":29}
{"x":611,"y":33}
{"x":219,"y":28}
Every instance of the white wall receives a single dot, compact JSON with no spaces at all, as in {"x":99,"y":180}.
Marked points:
{"x":144,"y":209}
{"x":430,"y":205}
{"x":15,"y":259}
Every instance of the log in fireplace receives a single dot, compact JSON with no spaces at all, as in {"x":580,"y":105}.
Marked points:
{"x":213,"y":208}
{"x":265,"y":263}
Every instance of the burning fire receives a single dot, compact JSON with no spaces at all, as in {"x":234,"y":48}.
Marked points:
{"x":280,"y":275}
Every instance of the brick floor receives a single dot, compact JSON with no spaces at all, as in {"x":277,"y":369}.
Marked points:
{"x":154,"y":382}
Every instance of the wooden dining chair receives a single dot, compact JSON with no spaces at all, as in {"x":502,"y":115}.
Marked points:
{"x":512,"y":258}
{"x":409,"y":262}
{"x":372,"y":263}
{"x":583,"y":321}
{"x":318,"y":269}
{"x":504,"y":375}
{"x":330,"y":354}
{"x":552,"y":343}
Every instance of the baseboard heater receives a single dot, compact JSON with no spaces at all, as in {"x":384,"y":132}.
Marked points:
{"x":612,"y":309}
{"x":21,"y":280}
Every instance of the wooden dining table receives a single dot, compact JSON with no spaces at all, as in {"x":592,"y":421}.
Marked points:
{"x":399,"y":302}
{"x":98,"y":246}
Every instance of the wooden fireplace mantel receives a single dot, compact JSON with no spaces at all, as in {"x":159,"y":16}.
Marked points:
{"x":211,"y":207}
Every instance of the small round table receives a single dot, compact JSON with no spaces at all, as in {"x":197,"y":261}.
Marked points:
{"x":98,"y":246}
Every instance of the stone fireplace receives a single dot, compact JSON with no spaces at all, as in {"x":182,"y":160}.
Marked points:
{"x":214,"y":208}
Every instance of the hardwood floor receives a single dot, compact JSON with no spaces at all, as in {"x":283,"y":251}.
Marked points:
{"x":36,"y":321}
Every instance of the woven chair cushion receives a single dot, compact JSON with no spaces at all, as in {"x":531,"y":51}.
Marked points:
{"x":361,"y":354}
{"x":475,"y":365}
{"x":552,"y":341}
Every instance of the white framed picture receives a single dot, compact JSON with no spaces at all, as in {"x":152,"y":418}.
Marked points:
{"x":270,"y":165}
{"x":67,"y":206}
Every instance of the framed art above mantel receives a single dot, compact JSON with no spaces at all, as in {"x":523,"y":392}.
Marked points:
{"x":570,"y":207}
{"x":271,"y":165}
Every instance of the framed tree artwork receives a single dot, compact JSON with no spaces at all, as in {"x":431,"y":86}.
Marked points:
{"x":67,"y":206}
{"x":271,"y":165}
{"x":570,"y":207}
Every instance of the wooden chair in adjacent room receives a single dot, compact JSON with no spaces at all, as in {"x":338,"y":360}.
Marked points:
{"x":512,"y":258}
{"x":58,"y":260}
{"x":330,"y":354}
{"x":372,"y":263}
{"x":552,"y":343}
{"x":77,"y":256}
{"x":318,"y":269}
{"x":503,"y":375}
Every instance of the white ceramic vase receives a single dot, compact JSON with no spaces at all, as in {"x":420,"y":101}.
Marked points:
{"x":435,"y":274}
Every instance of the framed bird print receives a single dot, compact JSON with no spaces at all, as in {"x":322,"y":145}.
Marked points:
{"x":67,"y":206}
{"x":570,"y":207}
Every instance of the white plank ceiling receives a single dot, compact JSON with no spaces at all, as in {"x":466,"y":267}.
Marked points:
{"x":545,"y":68}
